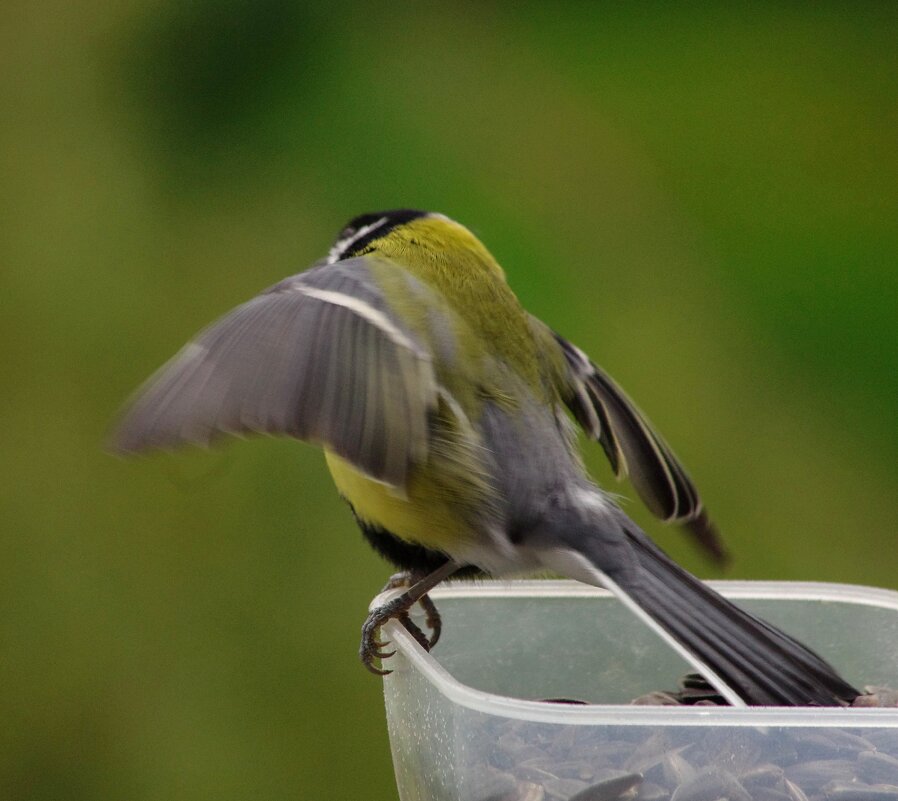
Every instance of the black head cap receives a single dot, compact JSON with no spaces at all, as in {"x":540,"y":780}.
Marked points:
{"x":361,"y":231}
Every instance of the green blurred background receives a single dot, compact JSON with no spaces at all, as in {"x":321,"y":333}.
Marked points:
{"x":704,"y":200}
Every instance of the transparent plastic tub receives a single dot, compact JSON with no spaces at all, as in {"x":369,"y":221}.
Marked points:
{"x":468,"y":722}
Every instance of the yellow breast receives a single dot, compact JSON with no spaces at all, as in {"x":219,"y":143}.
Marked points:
{"x":424,"y":514}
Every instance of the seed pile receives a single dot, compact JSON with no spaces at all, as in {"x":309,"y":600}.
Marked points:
{"x":523,"y":761}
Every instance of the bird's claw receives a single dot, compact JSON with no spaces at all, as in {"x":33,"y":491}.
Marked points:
{"x":372,"y":648}
{"x":432,"y":618}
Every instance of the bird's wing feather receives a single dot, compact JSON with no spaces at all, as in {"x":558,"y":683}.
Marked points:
{"x":634,"y":448}
{"x":319,"y":357}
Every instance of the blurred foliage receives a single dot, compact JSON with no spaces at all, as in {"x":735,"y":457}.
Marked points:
{"x":704,"y":200}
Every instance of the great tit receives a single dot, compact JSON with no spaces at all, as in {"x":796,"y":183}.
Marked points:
{"x":442,"y":408}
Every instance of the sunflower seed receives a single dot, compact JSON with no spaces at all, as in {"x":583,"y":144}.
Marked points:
{"x":763,"y":775}
{"x":769,"y":794}
{"x":877,"y":768}
{"x":525,"y":791}
{"x":813,"y":775}
{"x":676,"y":770}
{"x":877,"y":696}
{"x":563,"y":788}
{"x":794,"y":791}
{"x":860,"y":792}
{"x":710,"y":785}
{"x":610,"y":788}
{"x":652,"y":792}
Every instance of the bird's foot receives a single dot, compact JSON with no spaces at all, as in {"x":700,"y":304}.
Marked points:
{"x":372,"y":649}
{"x":432,"y":618}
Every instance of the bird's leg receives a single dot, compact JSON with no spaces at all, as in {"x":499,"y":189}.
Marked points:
{"x":398,"y":609}
{"x":404,"y":579}
{"x":407,"y":578}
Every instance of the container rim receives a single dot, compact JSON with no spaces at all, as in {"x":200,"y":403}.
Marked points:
{"x":411,"y":656}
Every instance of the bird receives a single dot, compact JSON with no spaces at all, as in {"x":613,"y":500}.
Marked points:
{"x":447,"y":414}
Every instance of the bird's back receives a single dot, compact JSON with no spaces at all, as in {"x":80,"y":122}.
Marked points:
{"x":499,"y":441}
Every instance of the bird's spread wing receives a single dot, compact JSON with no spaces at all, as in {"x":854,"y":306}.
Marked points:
{"x":634,"y":448}
{"x":319,"y":356}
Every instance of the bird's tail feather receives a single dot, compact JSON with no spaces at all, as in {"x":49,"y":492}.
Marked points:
{"x":765,"y":666}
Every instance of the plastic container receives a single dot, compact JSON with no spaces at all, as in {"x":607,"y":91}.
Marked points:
{"x":468,"y":723}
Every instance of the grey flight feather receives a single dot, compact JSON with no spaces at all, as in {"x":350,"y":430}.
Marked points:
{"x":635,"y":449}
{"x":319,"y":357}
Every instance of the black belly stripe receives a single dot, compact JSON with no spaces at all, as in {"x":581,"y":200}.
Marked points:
{"x":407,"y":555}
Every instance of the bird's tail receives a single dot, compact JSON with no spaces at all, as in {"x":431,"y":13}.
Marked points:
{"x":763,"y":665}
